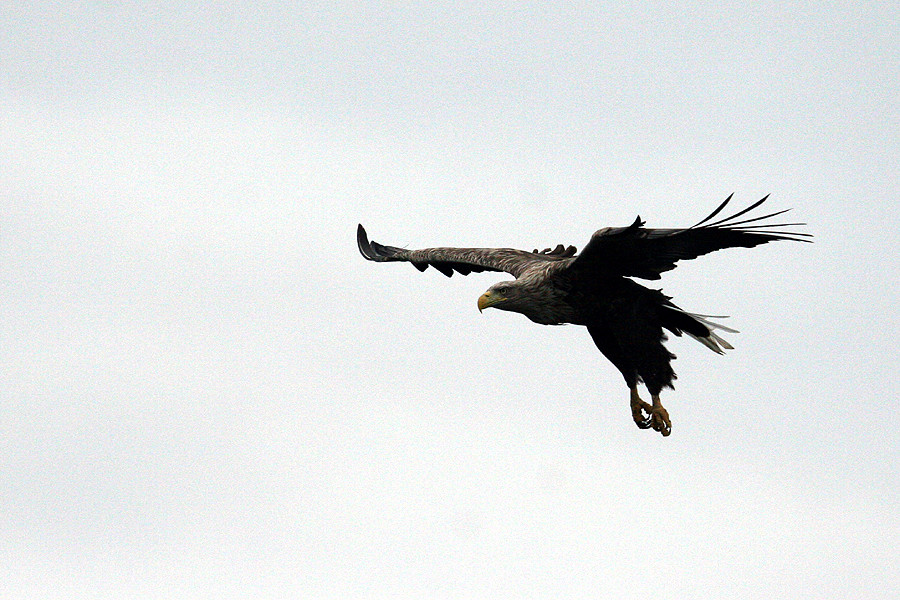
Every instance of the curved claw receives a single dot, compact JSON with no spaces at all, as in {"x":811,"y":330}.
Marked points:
{"x":644,"y":424}
{"x":662,"y":426}
{"x":638,"y":409}
{"x":659,"y":418}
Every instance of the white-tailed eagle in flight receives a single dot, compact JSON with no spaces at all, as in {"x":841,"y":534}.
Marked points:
{"x":595,"y":289}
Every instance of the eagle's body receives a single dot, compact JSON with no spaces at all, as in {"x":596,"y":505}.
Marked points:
{"x":625,"y":319}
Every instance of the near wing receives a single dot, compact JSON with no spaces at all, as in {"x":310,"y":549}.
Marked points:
{"x":637,"y":252}
{"x":461,"y":260}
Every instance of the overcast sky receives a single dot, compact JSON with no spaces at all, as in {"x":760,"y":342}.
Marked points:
{"x":207,"y":392}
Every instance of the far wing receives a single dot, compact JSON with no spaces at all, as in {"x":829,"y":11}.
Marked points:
{"x":460,"y":260}
{"x":634,"y":251}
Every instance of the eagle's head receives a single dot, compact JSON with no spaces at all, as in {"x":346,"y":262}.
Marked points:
{"x":531,"y":297}
{"x":505,"y":295}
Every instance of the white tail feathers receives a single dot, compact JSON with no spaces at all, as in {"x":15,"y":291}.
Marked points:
{"x":713,"y":341}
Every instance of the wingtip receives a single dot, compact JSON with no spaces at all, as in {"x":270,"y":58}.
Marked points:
{"x":715,"y":212}
{"x":362,"y":242}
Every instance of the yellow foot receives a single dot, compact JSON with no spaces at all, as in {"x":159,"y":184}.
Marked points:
{"x":657,"y":418}
{"x":638,"y":408}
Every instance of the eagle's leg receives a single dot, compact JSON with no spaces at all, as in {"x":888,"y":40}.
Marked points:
{"x":659,"y":417}
{"x":638,"y":408}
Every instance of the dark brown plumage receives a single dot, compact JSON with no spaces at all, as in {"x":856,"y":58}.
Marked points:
{"x":625,"y":319}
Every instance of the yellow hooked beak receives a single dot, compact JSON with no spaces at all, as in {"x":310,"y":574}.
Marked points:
{"x":488,"y":299}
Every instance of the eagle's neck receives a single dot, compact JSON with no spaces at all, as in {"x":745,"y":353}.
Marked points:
{"x":542,"y":302}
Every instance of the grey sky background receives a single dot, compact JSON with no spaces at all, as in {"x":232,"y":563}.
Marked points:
{"x":208,"y":393}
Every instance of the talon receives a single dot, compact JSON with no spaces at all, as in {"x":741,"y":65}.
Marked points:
{"x":664,"y":428}
{"x":640,"y":420}
{"x":657,"y":418}
{"x":660,"y":418}
{"x":638,"y":408}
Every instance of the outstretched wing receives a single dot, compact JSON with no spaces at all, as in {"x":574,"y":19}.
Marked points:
{"x":646,"y":253}
{"x":460,"y":260}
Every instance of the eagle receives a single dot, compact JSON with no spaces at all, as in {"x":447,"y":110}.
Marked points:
{"x":596,"y":288}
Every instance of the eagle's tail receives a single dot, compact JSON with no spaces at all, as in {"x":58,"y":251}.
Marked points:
{"x":697,"y":326}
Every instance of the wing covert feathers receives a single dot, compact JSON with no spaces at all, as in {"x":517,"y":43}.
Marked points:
{"x":461,"y":260}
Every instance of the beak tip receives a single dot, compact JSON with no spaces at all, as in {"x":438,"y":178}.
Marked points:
{"x":483,"y":303}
